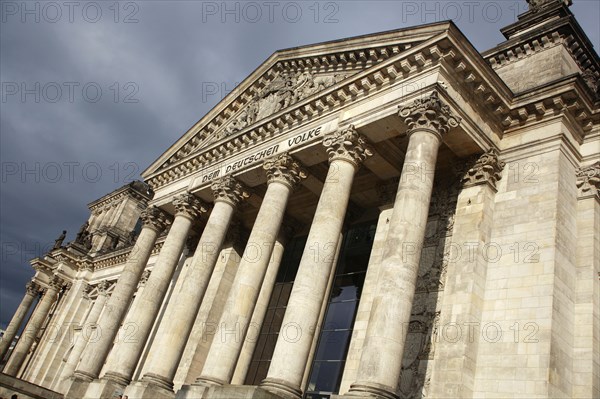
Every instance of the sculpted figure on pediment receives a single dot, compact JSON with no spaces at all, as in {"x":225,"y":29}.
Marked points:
{"x":285,"y":90}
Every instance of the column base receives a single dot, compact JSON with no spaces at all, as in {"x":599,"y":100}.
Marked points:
{"x":368,"y":391}
{"x":147,"y":389}
{"x":77,"y":385}
{"x":105,"y":388}
{"x":281,"y":389}
{"x":223,"y":392}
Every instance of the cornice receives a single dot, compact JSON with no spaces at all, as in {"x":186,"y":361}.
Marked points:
{"x":563,"y":31}
{"x":117,"y":195}
{"x":345,"y":92}
{"x":120,"y":257}
{"x":449,"y":50}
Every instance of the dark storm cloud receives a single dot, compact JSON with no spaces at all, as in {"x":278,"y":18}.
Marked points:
{"x":161,"y":56}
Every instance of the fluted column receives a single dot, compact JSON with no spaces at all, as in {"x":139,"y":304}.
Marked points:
{"x":380,"y":363}
{"x":125,"y":355}
{"x":283,"y":173}
{"x":171,"y":338}
{"x":89,"y":330}
{"x":19,"y":354}
{"x":347,"y":150}
{"x":32,"y":289}
{"x":93,"y":357}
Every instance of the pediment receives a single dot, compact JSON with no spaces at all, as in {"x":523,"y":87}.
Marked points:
{"x":286,"y":79}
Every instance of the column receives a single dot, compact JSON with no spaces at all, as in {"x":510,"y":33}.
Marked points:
{"x":126,"y":353}
{"x":283,"y":173}
{"x":262,"y":303}
{"x":346,"y":150}
{"x":89,"y":330}
{"x":32,"y":329}
{"x":93,"y":357}
{"x":171,"y":338}
{"x":464,"y":293}
{"x":31,"y":292}
{"x":587,"y":299}
{"x":380,"y":363}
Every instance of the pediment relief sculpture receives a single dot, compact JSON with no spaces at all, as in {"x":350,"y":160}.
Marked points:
{"x":285,"y":90}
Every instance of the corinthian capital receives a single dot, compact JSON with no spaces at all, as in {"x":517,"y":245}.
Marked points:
{"x":32,"y":288}
{"x":487,"y":169}
{"x":103,"y":287}
{"x":429,"y":113}
{"x":229,"y":190}
{"x":155,"y":218}
{"x":189,"y":206}
{"x":347,"y":145}
{"x":56,"y":283}
{"x":588,"y":181}
{"x":284,"y":169}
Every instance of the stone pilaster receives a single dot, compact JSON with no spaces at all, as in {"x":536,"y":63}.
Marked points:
{"x":347,"y":150}
{"x":89,"y":332}
{"x":125,"y":355}
{"x":94,"y":355}
{"x":31,"y":291}
{"x":27,"y":338}
{"x":586,"y":367}
{"x":464,"y":294}
{"x":380,"y":364}
{"x":283,"y":173}
{"x":171,"y":338}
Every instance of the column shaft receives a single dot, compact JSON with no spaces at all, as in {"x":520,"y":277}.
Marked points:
{"x":171,"y":338}
{"x":89,"y":331}
{"x":95,"y":353}
{"x":125,"y":355}
{"x":384,"y":343}
{"x":260,"y":310}
{"x":32,"y":329}
{"x":381,"y":360}
{"x":17,"y":320}
{"x":223,"y":354}
{"x":346,"y":151}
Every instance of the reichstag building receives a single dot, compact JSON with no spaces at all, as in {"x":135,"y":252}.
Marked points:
{"x":394,"y":215}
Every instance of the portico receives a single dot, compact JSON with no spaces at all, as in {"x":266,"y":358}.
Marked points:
{"x":335,"y":239}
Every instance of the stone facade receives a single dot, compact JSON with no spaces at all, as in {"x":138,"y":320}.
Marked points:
{"x":392,"y":215}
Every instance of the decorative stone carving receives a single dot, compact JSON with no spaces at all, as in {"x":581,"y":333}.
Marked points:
{"x":588,"y":181}
{"x":189,"y":205}
{"x":229,"y":190}
{"x":56,"y":283}
{"x":592,"y":80}
{"x":429,"y":113}
{"x":155,"y":218}
{"x":285,"y":90}
{"x":537,"y":5}
{"x":103,"y":287}
{"x":82,"y":233}
{"x":58,"y":242}
{"x":87,"y":291}
{"x":144,"y":278}
{"x":284,"y":169}
{"x":347,"y":145}
{"x":487,"y":169}
{"x":32,"y":288}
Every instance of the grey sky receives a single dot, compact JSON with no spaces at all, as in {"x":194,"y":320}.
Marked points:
{"x":153,"y":62}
